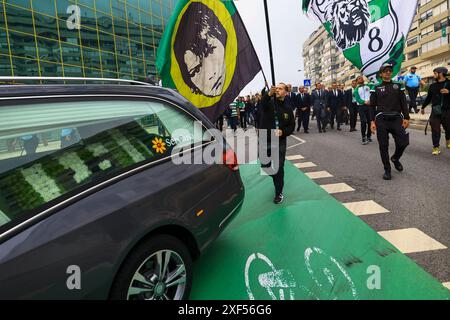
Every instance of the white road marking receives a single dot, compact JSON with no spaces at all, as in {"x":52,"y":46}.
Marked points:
{"x":319,"y":175}
{"x":447,"y":285}
{"x":362,"y":208}
{"x":411,"y":240}
{"x":337,"y":188}
{"x":295,"y":157}
{"x":297,"y":138}
{"x":303,"y":165}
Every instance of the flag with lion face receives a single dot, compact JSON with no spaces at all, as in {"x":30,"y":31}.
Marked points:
{"x":369,"y":32}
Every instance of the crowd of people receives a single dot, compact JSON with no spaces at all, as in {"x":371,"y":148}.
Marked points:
{"x":382,"y":108}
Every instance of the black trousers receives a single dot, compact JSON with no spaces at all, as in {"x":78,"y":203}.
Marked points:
{"x":219,"y":123}
{"x":412,"y":93}
{"x":278,"y":176}
{"x":365,"y":125}
{"x":436,"y":122}
{"x":353,"y":109}
{"x":336,"y":114}
{"x":321,"y":117}
{"x":303,"y":119}
{"x":401,"y":139}
{"x":243,"y":120}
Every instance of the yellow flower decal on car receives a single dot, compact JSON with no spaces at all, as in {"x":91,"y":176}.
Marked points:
{"x":159,"y":145}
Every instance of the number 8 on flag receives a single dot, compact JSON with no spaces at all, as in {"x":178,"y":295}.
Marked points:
{"x":370,"y":33}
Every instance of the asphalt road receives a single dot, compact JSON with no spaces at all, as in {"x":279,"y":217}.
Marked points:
{"x":419,"y":197}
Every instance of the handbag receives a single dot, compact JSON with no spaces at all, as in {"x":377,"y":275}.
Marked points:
{"x":436,"y":110}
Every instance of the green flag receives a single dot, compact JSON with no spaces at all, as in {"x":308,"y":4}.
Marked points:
{"x":369,"y":32}
{"x":206,"y":54}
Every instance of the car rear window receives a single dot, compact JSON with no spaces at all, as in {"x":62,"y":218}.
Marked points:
{"x":49,"y":150}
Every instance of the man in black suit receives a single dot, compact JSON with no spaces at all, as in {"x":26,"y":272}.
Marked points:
{"x":352,"y":106}
{"x":335,"y":103}
{"x":291,"y":98}
{"x":303,"y":109}
{"x":319,"y":104}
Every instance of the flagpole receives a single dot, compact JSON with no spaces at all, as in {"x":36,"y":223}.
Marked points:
{"x":270,"y":42}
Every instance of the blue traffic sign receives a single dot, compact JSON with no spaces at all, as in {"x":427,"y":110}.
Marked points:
{"x":307,"y":82}
{"x":401,"y":78}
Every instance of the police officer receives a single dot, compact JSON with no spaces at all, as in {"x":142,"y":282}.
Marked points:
{"x":389,"y":113}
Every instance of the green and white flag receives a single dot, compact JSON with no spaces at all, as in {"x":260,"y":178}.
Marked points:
{"x":369,"y":32}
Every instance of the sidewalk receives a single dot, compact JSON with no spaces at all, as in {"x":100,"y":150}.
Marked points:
{"x":310,"y":247}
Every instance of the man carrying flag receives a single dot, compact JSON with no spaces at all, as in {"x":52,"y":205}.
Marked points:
{"x":206,"y":54}
{"x":369,"y":32}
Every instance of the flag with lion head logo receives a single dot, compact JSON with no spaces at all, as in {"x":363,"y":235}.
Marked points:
{"x":206,"y":54}
{"x":368,"y":32}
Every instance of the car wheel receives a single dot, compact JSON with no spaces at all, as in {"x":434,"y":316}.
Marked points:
{"x":158,"y":269}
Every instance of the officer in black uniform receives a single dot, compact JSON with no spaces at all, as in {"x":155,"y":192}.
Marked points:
{"x":389,"y":114}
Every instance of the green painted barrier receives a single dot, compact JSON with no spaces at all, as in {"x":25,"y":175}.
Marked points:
{"x":310,"y":247}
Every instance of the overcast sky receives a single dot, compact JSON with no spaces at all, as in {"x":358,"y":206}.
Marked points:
{"x":289,"y":28}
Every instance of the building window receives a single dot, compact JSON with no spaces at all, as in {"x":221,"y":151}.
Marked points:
{"x":412,"y":41}
{"x":427,"y":31}
{"x":425,"y":16}
{"x":438,"y":26}
{"x":413,"y":54}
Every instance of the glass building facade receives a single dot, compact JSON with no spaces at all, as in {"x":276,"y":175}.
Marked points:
{"x":81,"y":38}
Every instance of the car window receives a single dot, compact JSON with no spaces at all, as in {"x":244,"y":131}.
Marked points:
{"x":50,"y":150}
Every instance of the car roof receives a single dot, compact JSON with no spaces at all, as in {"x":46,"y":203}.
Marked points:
{"x":9,"y":92}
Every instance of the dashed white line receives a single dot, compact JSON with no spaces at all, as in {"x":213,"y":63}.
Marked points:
{"x":303,"y":165}
{"x":361,"y":208}
{"x":337,"y":188}
{"x":411,"y":240}
{"x":319,"y":175}
{"x":295,"y":157}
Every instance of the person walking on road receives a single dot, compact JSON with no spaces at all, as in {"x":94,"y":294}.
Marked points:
{"x":438,"y":95}
{"x":362,"y":98}
{"x":303,"y":109}
{"x":389,"y":114}
{"x":234,"y":115}
{"x":335,"y":103}
{"x":242,"y":112}
{"x":277,"y":115}
{"x":291,"y":97}
{"x":352,"y":106}
{"x":413,"y":82}
{"x":319,"y":103}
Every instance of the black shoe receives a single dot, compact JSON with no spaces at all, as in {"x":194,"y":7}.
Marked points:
{"x":339,"y":129}
{"x":364,"y":141}
{"x":369,"y":140}
{"x":306,"y":131}
{"x":398,"y":166}
{"x":278,"y":199}
{"x":298,"y":129}
{"x":387,"y":175}
{"x":324,"y":130}
{"x":320,"y":131}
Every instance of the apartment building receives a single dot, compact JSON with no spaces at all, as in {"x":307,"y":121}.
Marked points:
{"x":427,"y":47}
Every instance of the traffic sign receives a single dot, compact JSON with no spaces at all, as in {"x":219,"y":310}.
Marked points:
{"x":307,"y":82}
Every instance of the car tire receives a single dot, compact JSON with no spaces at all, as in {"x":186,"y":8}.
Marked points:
{"x":138,"y":277}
